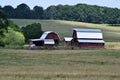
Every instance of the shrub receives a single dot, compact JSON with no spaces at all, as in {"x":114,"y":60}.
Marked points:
{"x":2,"y":44}
{"x":32,"y":31}
{"x":14,"y":38}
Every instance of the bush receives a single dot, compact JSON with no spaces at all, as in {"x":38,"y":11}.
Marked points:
{"x":14,"y":38}
{"x":2,"y":44}
{"x":32,"y":31}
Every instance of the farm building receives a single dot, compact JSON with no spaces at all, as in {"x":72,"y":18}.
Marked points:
{"x":48,"y":38}
{"x":36,"y":42}
{"x":49,"y":43}
{"x":88,"y":38}
{"x":67,"y":41}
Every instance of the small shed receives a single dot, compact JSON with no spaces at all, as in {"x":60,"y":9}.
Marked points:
{"x":67,"y":41}
{"x":88,"y":37}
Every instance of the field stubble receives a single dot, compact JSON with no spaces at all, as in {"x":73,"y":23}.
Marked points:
{"x":59,"y":64}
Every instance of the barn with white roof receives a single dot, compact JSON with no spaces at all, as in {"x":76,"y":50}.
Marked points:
{"x":88,"y":38}
{"x":48,"y":38}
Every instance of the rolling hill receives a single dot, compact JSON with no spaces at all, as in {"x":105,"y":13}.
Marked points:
{"x":64,"y":28}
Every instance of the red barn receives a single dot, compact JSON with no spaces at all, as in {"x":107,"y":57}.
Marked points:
{"x":48,"y":38}
{"x":67,"y":41}
{"x":51,"y":35}
{"x":88,"y":38}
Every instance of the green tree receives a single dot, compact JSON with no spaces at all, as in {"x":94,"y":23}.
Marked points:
{"x":32,"y":31}
{"x":9,"y":10}
{"x":22,"y":11}
{"x":51,"y":12}
{"x":3,"y":27}
{"x":79,"y":12}
{"x":38,"y":12}
{"x":14,"y":38}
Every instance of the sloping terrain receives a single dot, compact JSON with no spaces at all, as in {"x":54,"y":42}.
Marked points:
{"x":64,"y":28}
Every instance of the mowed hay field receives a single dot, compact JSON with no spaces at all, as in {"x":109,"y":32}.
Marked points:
{"x":59,"y":64}
{"x":80,"y":64}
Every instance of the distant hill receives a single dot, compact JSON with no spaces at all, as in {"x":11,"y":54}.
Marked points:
{"x":64,"y":28}
{"x":78,"y":12}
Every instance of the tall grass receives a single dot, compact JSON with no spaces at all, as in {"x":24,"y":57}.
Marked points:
{"x":59,"y":64}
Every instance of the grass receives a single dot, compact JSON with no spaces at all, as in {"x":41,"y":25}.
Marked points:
{"x":63,"y":64}
{"x":59,"y":64}
{"x":64,"y":28}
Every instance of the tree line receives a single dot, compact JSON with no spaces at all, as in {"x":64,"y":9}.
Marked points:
{"x":79,"y":12}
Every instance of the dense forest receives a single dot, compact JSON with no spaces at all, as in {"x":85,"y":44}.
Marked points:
{"x":79,"y":12}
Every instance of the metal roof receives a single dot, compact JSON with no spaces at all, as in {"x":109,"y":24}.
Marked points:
{"x":35,"y":39}
{"x":87,"y":30}
{"x":49,"y":41}
{"x":44,"y":35}
{"x":68,"y":38}
{"x":90,"y":41}
{"x":89,"y":35}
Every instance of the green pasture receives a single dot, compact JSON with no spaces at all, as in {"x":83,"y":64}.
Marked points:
{"x":64,"y":28}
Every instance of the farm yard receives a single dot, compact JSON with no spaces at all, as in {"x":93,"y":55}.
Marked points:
{"x":64,"y":64}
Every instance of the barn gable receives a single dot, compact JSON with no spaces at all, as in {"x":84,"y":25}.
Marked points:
{"x":46,"y":34}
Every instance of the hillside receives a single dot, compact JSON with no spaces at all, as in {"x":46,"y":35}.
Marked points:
{"x":64,"y":28}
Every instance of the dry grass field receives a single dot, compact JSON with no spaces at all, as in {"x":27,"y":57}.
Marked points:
{"x":83,"y":64}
